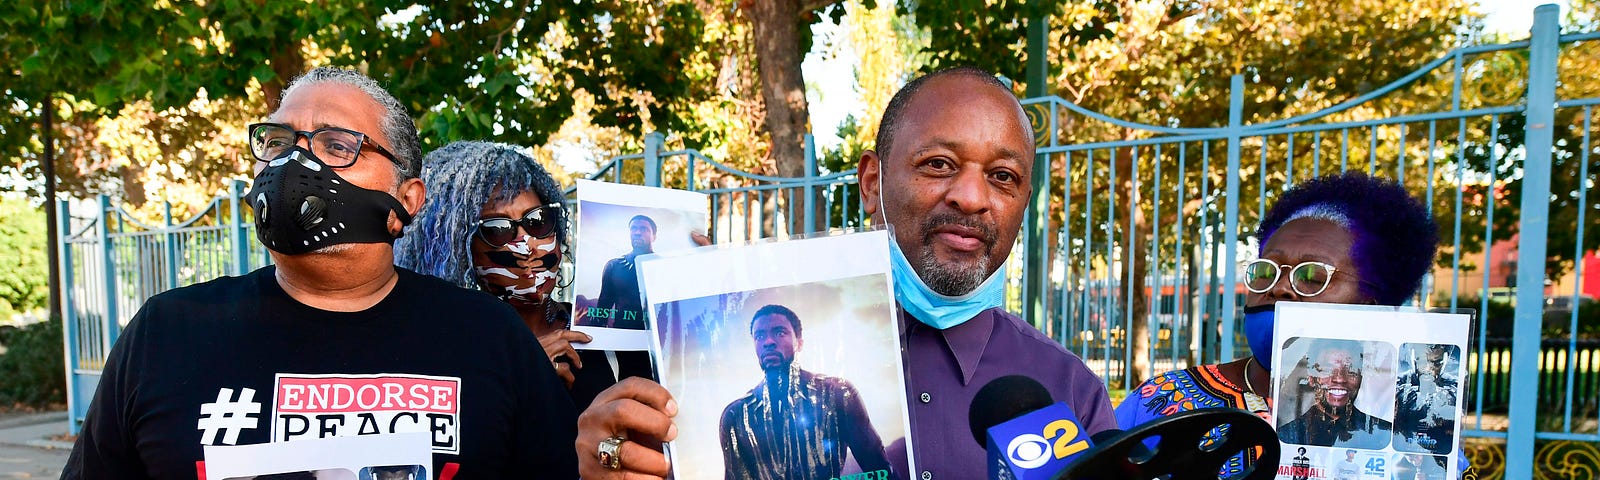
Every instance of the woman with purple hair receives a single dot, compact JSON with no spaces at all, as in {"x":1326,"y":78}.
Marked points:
{"x":1348,"y":238}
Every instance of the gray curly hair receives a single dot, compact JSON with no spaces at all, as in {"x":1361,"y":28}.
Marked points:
{"x":398,"y":128}
{"x":461,"y":178}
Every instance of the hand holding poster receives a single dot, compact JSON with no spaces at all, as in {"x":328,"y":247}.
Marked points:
{"x":1368,"y":392}
{"x":782,"y":366}
{"x":616,"y":224}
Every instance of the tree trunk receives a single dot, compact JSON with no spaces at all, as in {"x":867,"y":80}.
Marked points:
{"x":777,"y":27}
{"x":287,"y":64}
{"x":770,"y":210}
{"x":1136,"y":248}
{"x":1193,"y":258}
{"x":52,"y":230}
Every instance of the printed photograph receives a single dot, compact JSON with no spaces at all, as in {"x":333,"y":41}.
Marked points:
{"x":617,"y":224}
{"x":795,"y":381}
{"x":1336,"y":393}
{"x":1426,"y":398}
{"x":607,"y":287}
{"x":1348,"y":467}
{"x":1352,"y":464}
{"x":1301,"y":463}
{"x":328,"y":474}
{"x":394,"y":472}
{"x":1415,"y":466}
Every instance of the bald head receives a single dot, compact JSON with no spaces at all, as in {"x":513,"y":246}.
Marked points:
{"x":889,"y":123}
{"x":951,"y":176}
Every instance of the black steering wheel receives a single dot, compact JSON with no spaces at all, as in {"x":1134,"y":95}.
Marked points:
{"x":1177,"y":455}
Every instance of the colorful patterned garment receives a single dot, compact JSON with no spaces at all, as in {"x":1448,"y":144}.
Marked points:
{"x":1190,"y":389}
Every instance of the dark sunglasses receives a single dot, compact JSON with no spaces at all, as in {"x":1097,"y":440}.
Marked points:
{"x":539,"y":222}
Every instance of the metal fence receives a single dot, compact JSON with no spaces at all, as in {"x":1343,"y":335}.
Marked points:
{"x":1145,"y":233}
{"x":1143,"y":237}
{"x":111,"y":263}
{"x":746,"y":206}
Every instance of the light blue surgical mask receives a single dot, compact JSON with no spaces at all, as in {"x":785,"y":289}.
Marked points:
{"x":927,"y":306}
{"x":935,"y":309}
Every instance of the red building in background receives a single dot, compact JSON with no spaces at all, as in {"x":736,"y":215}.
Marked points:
{"x":1502,"y":272}
{"x":1591,"y":275}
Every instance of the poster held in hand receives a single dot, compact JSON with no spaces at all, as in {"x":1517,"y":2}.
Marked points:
{"x":784,"y":358}
{"x":1368,"y":391}
{"x":398,"y":456}
{"x":616,"y":224}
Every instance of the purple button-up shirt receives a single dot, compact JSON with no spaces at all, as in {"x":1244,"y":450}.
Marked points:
{"x":945,"y":369}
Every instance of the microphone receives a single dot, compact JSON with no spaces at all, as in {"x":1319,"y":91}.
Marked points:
{"x":1003,"y":399}
{"x":1026,"y":434}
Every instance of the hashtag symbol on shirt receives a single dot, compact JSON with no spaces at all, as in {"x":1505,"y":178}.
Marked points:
{"x":228,"y":416}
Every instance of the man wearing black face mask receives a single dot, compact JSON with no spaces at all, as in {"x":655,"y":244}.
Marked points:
{"x":281,"y":354}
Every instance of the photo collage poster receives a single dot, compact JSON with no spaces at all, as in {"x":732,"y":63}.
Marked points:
{"x":783,"y":366}
{"x":1368,"y":392}
{"x":391,"y":456}
{"x":616,"y":224}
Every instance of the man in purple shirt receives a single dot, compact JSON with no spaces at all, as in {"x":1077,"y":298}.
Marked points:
{"x":951,"y":176}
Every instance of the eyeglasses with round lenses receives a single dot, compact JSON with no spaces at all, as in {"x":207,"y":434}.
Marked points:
{"x":539,"y":222}
{"x":1308,"y":279}
{"x":336,"y":147}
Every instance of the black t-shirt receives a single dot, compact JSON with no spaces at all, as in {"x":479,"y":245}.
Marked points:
{"x":236,"y":361}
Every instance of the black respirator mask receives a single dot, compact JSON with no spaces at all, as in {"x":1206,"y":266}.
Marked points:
{"x":302,"y":205}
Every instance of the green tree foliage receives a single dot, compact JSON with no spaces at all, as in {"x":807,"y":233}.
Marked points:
{"x":992,"y":34}
{"x":22,"y":251}
{"x":477,"y":69}
{"x":506,"y":70}
{"x":888,"y":48}
{"x":32,"y":365}
{"x":1574,"y":186}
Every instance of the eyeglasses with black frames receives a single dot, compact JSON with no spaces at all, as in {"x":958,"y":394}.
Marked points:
{"x":336,"y":147}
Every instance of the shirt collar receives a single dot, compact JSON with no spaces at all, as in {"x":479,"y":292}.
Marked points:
{"x":966,"y":342}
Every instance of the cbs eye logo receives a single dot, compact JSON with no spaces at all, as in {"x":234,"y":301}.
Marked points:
{"x":1033,"y":451}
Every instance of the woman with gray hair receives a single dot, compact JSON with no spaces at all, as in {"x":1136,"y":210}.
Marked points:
{"x":497,"y":222}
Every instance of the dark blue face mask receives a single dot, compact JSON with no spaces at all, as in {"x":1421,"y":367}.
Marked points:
{"x":1258,"y":323}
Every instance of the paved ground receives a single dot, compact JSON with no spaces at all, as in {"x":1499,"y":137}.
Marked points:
{"x":26,"y":450}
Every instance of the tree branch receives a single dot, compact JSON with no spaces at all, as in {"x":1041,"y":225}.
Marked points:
{"x":1168,"y":21}
{"x":814,"y":5}
{"x":522,"y":13}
